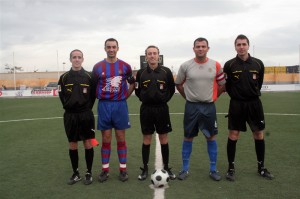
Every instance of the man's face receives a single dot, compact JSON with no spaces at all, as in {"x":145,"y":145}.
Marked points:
{"x":241,"y":47}
{"x":200,"y":49}
{"x":111,"y":48}
{"x":152,"y":56}
{"x":76,"y":59}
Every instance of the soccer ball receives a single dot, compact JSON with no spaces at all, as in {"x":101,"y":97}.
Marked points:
{"x":160,"y":178}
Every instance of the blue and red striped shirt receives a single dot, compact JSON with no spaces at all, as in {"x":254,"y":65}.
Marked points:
{"x":112,"y":79}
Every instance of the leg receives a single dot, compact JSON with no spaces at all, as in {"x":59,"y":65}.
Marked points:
{"x":147,"y":138}
{"x":122,"y":154}
{"x":89,"y":157}
{"x":260,"y":154}
{"x":89,"y":154}
{"x":258,"y":137}
{"x":163,"y":138}
{"x":73,"y":153}
{"x":121,"y":148}
{"x":146,"y":149}
{"x":105,"y":154}
{"x":186,"y":153}
{"x":212,"y":149}
{"x":231,"y":149}
{"x":106,"y":148}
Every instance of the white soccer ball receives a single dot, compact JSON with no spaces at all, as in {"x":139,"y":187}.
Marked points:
{"x":160,"y":178}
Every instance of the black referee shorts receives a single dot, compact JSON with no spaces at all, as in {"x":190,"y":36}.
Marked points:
{"x":79,"y":126}
{"x":155,"y":118}
{"x":242,"y":112}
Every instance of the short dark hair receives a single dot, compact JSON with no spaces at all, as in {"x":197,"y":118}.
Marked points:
{"x":151,"y":46}
{"x":111,"y":39}
{"x":201,"y":39}
{"x":241,"y":36}
{"x":74,"y":51}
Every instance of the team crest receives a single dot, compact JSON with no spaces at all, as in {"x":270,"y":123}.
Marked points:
{"x":254,"y":76}
{"x":113,"y":84}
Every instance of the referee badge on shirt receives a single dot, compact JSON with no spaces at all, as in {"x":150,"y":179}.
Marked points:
{"x":161,"y":86}
{"x":84,"y":90}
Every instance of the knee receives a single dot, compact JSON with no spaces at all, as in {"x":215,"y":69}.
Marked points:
{"x":233,"y":135}
{"x":163,"y":138}
{"x":147,"y":139}
{"x":87,"y":144}
{"x":73,"y":145}
{"x":258,"y":135}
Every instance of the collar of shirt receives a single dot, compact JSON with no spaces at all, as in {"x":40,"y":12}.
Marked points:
{"x":249,"y":60}
{"x":149,"y":70}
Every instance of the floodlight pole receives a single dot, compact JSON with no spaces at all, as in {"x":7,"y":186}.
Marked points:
{"x":57,"y":64}
{"x":14,"y":71}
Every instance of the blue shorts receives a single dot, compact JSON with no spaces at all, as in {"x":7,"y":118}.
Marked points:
{"x":200,"y":116}
{"x":113,"y":114}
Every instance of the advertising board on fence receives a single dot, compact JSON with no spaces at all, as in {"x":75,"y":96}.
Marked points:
{"x":29,"y":93}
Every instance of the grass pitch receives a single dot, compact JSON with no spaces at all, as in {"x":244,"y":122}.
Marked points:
{"x":34,"y":161}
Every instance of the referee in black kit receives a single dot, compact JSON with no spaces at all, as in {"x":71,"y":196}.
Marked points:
{"x":154,"y":87}
{"x":244,"y":79}
{"x":77,"y":94}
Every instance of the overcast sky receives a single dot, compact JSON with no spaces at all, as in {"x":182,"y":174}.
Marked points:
{"x":41,"y":33}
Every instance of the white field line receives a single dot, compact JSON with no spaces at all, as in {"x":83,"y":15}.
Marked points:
{"x":135,"y":114}
{"x":158,"y":193}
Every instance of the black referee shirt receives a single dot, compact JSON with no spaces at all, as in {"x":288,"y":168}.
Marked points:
{"x":154,"y":86}
{"x":77,"y":91}
{"x":244,"y":79}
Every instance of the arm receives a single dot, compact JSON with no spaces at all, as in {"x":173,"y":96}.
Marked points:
{"x":130,"y":90}
{"x":180,"y":79}
{"x":131,"y":82}
{"x":137,"y":84}
{"x":181,"y":90}
{"x":93,"y":90}
{"x":61,"y":90}
{"x":171,"y":84}
{"x":261,"y":74}
{"x":221,"y":89}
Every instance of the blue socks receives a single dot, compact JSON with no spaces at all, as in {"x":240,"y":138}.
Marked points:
{"x":212,"y":150}
{"x":186,"y":153}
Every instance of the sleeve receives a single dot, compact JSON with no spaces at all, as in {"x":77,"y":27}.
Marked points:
{"x":93,"y":90}
{"x":137,"y":89}
{"x":180,"y":78}
{"x":61,"y":90}
{"x":220,"y":74}
{"x":129,"y":76}
{"x":261,"y":74}
{"x":227,"y":76}
{"x":171,"y":83}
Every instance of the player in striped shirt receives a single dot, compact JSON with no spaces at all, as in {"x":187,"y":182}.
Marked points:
{"x":113,"y":77}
